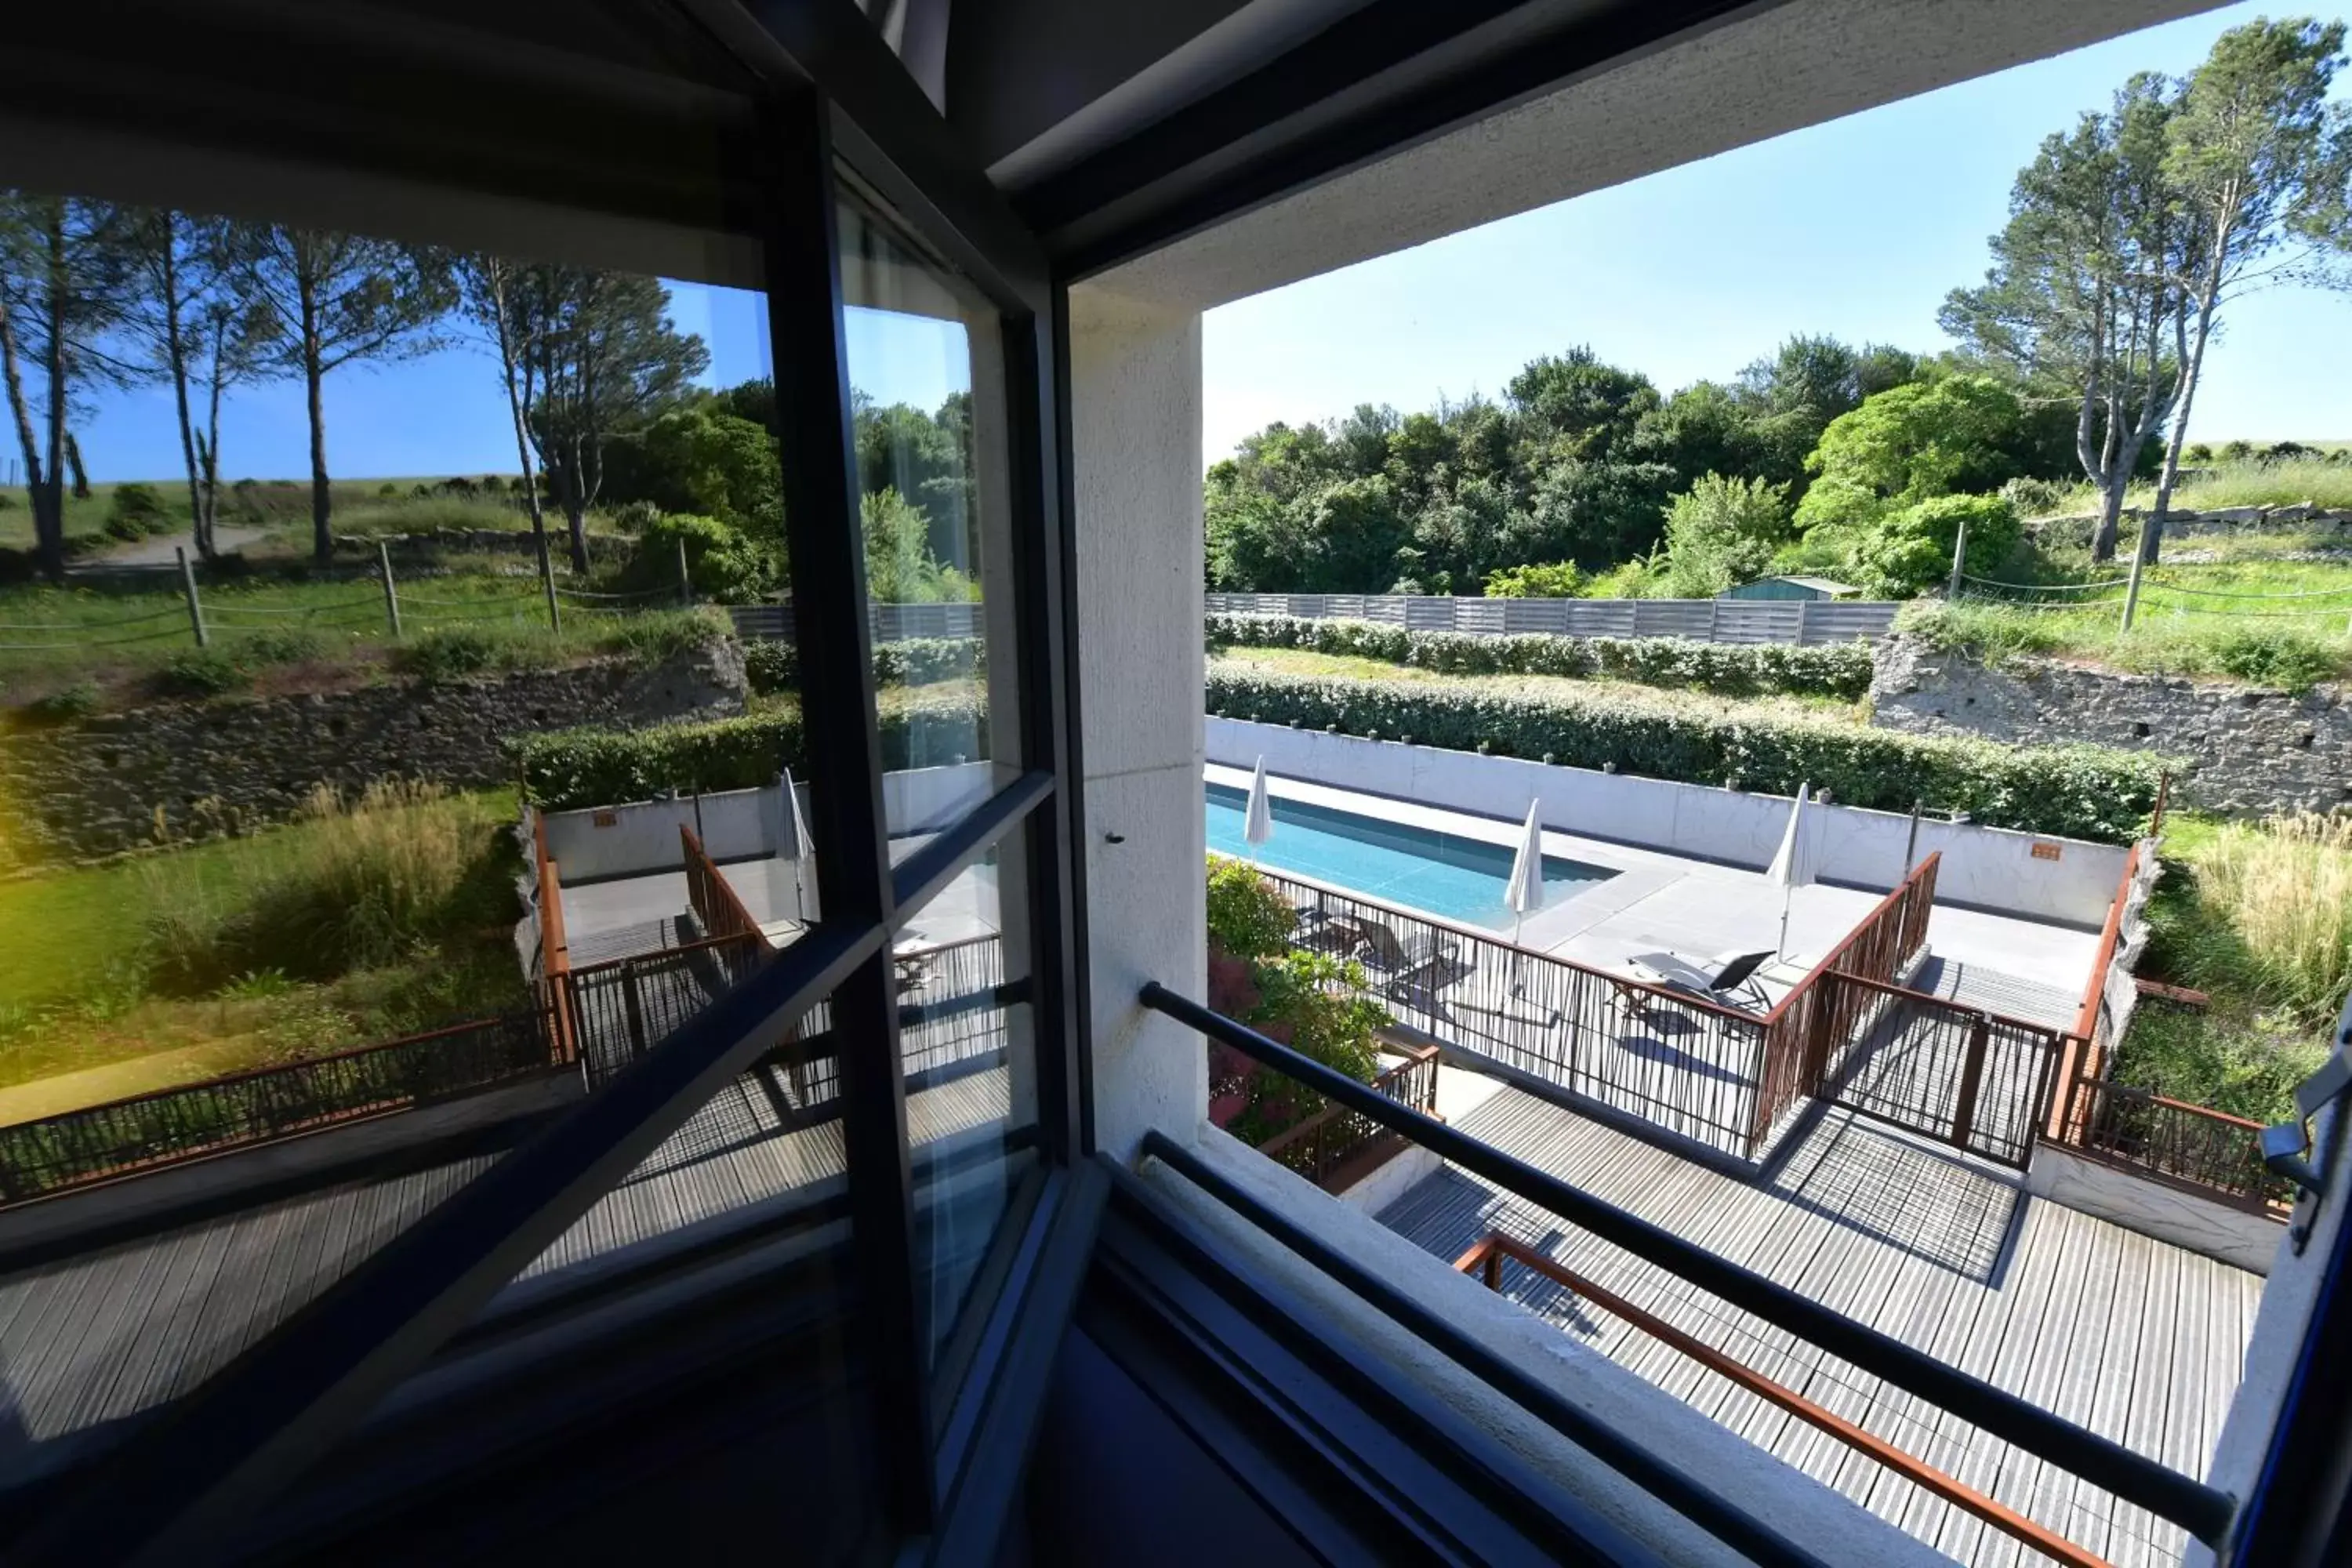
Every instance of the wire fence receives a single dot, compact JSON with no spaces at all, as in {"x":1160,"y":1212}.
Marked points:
{"x":2114,"y":597}
{"x":388,"y":609}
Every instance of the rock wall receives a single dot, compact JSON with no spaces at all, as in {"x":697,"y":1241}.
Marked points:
{"x":193,"y":770}
{"x":2253,"y":752}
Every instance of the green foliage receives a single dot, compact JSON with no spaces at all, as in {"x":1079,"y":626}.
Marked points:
{"x":448,"y":653}
{"x":697,"y":460}
{"x":723,"y":561}
{"x":1909,"y":443}
{"x":1720,"y":533}
{"x":1247,"y":917}
{"x":390,"y":869}
{"x":1542,"y":580}
{"x":1906,"y":551}
{"x":136,"y":512}
{"x":1736,"y":669}
{"x":2292,"y":660}
{"x":899,"y":566}
{"x":584,"y":767}
{"x":202,"y":672}
{"x":78,"y":700}
{"x":2076,"y":791}
{"x":772,"y":665}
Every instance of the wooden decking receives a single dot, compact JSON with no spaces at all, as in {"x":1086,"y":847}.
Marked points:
{"x":2133,"y":1337}
{"x":107,"y":1334}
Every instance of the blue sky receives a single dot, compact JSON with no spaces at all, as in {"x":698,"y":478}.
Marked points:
{"x":1858,"y":227}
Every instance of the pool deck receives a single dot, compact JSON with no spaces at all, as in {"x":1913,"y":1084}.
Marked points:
{"x":1660,"y":900}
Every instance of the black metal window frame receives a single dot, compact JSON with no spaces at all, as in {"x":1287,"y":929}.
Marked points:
{"x":949,"y":1454}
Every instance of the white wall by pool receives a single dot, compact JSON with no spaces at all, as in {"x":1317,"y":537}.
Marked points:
{"x":2070,"y":881}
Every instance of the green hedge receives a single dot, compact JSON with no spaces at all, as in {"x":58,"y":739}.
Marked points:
{"x":773,"y":665}
{"x":567,"y":769}
{"x":2082,"y":792}
{"x":1733,"y":669}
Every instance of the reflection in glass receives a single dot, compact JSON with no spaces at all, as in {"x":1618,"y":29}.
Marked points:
{"x":926,"y":365}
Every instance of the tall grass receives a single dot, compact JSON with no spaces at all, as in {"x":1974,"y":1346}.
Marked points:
{"x":2285,"y":888}
{"x":371,"y":879}
{"x":2311,"y":481}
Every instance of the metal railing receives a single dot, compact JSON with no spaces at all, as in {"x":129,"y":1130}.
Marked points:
{"x":2194,"y":1147}
{"x":555,"y":947}
{"x":887,"y":623}
{"x":1978,"y":1080}
{"x":621,"y":1008}
{"x":717,"y":906}
{"x":1488,"y":1256}
{"x":1335,"y":1147}
{"x":1803,"y":621}
{"x":2202,"y":1510}
{"x":1720,"y":1075}
{"x":171,"y":1126}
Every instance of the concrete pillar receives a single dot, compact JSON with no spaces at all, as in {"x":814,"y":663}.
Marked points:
{"x":1135,"y":414}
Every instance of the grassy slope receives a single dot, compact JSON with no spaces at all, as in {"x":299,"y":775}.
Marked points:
{"x":1304,"y":661}
{"x":2242,"y":484}
{"x":80,"y":988}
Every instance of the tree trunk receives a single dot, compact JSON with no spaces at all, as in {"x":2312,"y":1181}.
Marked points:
{"x":175,"y":353}
{"x":208,"y":453}
{"x":575,"y":506}
{"x":516,"y":399}
{"x":2151,"y":539}
{"x":12,"y":374}
{"x":49,"y":501}
{"x":322,"y":538}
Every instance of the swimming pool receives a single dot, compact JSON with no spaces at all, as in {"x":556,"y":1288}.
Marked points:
{"x":1460,"y":878}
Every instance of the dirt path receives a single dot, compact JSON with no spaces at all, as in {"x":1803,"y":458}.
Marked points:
{"x":159,"y":552}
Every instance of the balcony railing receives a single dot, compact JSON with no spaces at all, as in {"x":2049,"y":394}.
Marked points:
{"x":1722,"y":1076}
{"x":2202,"y":1510}
{"x":1336,"y":1147}
{"x":173,"y":1126}
{"x":2206,"y":1151}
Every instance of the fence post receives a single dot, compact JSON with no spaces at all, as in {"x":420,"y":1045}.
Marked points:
{"x":1964,"y":1110}
{"x":685,"y":583}
{"x":2131,"y":591}
{"x":547,"y":583}
{"x":391,"y":595}
{"x":1959,"y":553}
{"x":1805,"y":616}
{"x":188,"y":586}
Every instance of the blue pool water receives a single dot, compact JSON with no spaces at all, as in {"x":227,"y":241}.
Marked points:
{"x":1460,"y":878}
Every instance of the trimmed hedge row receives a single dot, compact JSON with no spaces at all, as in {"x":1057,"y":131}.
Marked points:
{"x":2080,"y":792}
{"x":772,"y":665}
{"x":1733,"y":669}
{"x":566,"y":769}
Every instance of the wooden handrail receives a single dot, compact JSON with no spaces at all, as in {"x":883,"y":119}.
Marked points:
{"x":703,"y":876}
{"x":554,"y":949}
{"x":2077,"y":1061}
{"x":2206,"y":1113}
{"x":1415,"y":1056}
{"x":1924,"y":873}
{"x":1487,"y":1257}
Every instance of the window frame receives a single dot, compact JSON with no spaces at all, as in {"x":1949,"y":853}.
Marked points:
{"x":240,"y":1440}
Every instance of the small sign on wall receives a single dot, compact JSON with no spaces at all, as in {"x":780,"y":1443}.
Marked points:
{"x":2043,"y":850}
{"x":607,"y":818}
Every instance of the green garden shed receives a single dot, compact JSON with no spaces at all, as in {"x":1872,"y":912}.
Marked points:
{"x":1791,"y":588}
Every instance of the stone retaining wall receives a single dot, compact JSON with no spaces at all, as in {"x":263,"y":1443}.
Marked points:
{"x":192,"y":769}
{"x":2256,"y":751}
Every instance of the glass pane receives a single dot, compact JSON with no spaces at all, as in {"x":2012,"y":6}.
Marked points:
{"x":970,"y":1060}
{"x":927,"y":377}
{"x":428,"y":845}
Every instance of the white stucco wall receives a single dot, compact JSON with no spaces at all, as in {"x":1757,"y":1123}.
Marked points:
{"x":2232,"y":1235}
{"x":1990,"y":868}
{"x":1135,"y":422}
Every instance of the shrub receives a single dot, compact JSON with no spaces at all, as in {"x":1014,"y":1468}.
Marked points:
{"x":277,"y":645}
{"x":1910,"y":550}
{"x":448,"y":653}
{"x":78,"y":700}
{"x":772,"y":665}
{"x":2283,"y":889}
{"x":1544,"y":580}
{"x":2039,"y":497}
{"x":202,"y":672}
{"x":573,"y":768}
{"x":2078,"y":791}
{"x":136,"y":512}
{"x":722,"y":561}
{"x":1247,"y":917}
{"x":1830,"y":669}
{"x":2294,"y":661}
{"x":653,"y":635}
{"x":1721,"y":532}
